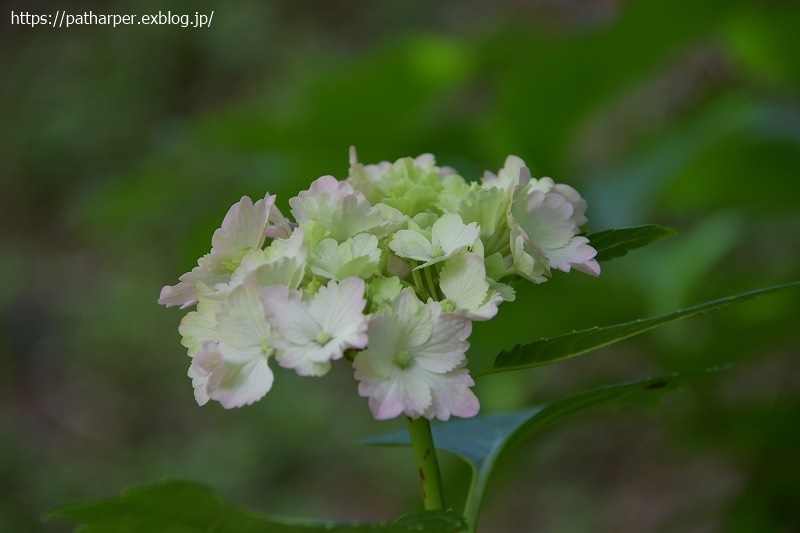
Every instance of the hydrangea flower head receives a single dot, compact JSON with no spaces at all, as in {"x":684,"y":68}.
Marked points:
{"x":384,"y":270}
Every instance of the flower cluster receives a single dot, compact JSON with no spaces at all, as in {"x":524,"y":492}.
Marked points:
{"x":386,"y":269}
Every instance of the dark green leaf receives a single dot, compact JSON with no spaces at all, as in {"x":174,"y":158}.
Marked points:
{"x":547,"y":351}
{"x":179,"y":506}
{"x":481,"y":440}
{"x":613,"y":243}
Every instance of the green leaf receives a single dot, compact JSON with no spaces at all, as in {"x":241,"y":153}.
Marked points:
{"x":481,"y":440}
{"x":613,"y":243}
{"x":180,"y":506}
{"x":546,"y":351}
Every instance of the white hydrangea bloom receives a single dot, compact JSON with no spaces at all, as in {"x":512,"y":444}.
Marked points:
{"x":449,"y":236}
{"x":488,"y":207}
{"x":382,"y":293}
{"x":367,"y":178}
{"x":345,"y":277}
{"x":382,"y":180}
{"x":414,"y":364}
{"x":546,"y":224}
{"x":341,"y":210}
{"x":358,"y":256}
{"x":208,"y":272}
{"x":283,"y":262}
{"x":310,"y":333}
{"x":508,"y":176}
{"x":532,"y":266}
{"x":464,"y":285}
{"x":245,"y":226}
{"x":234,"y":370}
{"x":547,"y":185}
{"x":200,"y":326}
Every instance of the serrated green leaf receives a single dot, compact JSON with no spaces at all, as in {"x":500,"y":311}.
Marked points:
{"x":613,"y":243}
{"x":180,"y":506}
{"x":481,"y":440}
{"x":548,"y":351}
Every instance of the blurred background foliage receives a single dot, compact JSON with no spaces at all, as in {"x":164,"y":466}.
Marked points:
{"x":122,"y":148}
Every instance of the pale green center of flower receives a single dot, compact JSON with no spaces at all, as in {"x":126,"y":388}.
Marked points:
{"x":234,"y":262}
{"x":437,"y":252}
{"x":403,"y":360}
{"x":322,"y":338}
{"x":264,"y":345}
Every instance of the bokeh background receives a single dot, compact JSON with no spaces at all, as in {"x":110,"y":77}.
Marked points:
{"x":122,"y":148}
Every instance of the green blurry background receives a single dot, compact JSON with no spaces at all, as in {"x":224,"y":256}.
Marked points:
{"x":122,"y":148}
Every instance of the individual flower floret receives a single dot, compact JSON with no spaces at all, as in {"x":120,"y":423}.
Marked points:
{"x":245,"y":226}
{"x":415,"y":362}
{"x":233,"y":368}
{"x":525,"y":260}
{"x":382,"y":293}
{"x":358,"y":256}
{"x":283,"y":262}
{"x":367,"y":178}
{"x":341,"y":210}
{"x":310,"y":333}
{"x":547,"y":185}
{"x":200,"y":326}
{"x":507,"y":177}
{"x":488,"y":207}
{"x":465,"y":288}
{"x":411,"y":185}
{"x":449,"y":235}
{"x":546,"y":224}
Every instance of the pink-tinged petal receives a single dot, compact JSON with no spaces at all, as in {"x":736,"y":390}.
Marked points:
{"x":286,"y":313}
{"x":339,"y":309}
{"x":547,"y":222}
{"x":278,"y":226}
{"x":401,"y":366}
{"x":451,"y":395}
{"x":309,"y":333}
{"x":576,"y":254}
{"x":591,"y":267}
{"x":445,"y":348}
{"x":241,"y":320}
{"x":185,"y":293}
{"x":203,"y":364}
{"x":578,"y":203}
{"x":199,"y":327}
{"x":234,"y":385}
{"x":327,"y":185}
{"x":388,"y":398}
{"x":231,"y":384}
{"x":244,"y":227}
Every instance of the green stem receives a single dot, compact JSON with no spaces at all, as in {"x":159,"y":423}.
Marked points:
{"x":420,"y":285}
{"x":430,"y":479}
{"x":431,"y":284}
